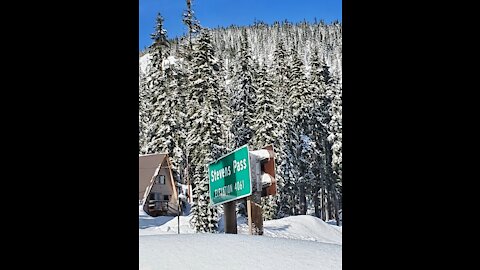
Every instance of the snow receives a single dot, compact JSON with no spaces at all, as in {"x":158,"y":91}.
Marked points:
{"x":296,"y":242}
{"x":171,"y":60}
{"x":163,"y":224}
{"x":145,"y":59}
{"x":144,"y":62}
{"x":301,"y":228}
{"x":229,"y":251}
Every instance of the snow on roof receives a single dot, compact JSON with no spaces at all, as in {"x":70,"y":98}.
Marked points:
{"x":146,"y":155}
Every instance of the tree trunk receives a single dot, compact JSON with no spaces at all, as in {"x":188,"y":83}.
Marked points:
{"x":329,"y":178}
{"x":330,"y":207}
{"x":337,"y":207}
{"x":326,"y":212}
{"x":322,"y":205}
{"x":316,"y":204}
{"x":294,"y":205}
{"x":303,"y":201}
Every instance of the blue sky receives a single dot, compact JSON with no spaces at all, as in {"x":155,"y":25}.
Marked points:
{"x":213,"y":13}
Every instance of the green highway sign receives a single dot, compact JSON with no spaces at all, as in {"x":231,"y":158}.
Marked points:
{"x":229,"y":177}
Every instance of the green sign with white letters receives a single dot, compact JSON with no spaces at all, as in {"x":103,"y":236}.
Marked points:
{"x":229,"y":177}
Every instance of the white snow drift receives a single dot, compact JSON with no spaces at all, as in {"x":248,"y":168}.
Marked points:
{"x":282,"y":246}
{"x":229,"y":251}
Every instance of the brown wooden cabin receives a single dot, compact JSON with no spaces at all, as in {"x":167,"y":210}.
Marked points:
{"x":157,"y":191}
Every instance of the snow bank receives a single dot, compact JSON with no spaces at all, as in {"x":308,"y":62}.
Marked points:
{"x":281,"y":247}
{"x":303,"y":228}
{"x":295,"y":227}
{"x":228,"y":251}
{"x":163,"y":224}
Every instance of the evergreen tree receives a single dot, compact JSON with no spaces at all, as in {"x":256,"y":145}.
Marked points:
{"x":335,"y":139}
{"x":266,"y":126}
{"x":193,"y":25}
{"x":142,"y":109}
{"x":318,"y":134}
{"x":206,"y":130}
{"x":155,"y":88}
{"x":284,"y":164}
{"x":226,"y":77}
{"x":177,"y":85}
{"x":267,"y":129}
{"x":242,"y":101}
{"x":298,"y":131}
{"x":324,"y":110}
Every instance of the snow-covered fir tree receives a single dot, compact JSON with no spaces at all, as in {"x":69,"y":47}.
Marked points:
{"x":318,"y":134}
{"x":298,"y":131}
{"x":286,"y":171}
{"x":328,"y":185}
{"x":335,"y":139}
{"x":142,"y":109}
{"x":267,"y":128}
{"x":243,"y":95}
{"x":205,"y":135}
{"x":155,"y":88}
{"x":175,"y":111}
{"x":193,"y":25}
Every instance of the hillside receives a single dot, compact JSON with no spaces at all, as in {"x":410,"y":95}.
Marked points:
{"x":262,"y":38}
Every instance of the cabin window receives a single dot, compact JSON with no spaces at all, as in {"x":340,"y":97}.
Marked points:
{"x":161,"y":179}
{"x":166,"y":198}
{"x":154,"y":196}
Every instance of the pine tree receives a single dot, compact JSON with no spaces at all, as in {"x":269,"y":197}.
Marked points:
{"x":205,"y":135}
{"x":177,"y":70}
{"x":142,"y":109}
{"x":285,"y":173}
{"x":242,"y":100}
{"x":300,"y":99}
{"x":163,"y":115}
{"x":193,"y":25}
{"x":325,"y":84}
{"x":176,"y":83}
{"x":155,"y":87}
{"x":267,"y":129}
{"x":226,"y":77}
{"x":335,"y":139}
{"x":318,"y":134}
{"x":266,"y":126}
{"x":332,"y":144}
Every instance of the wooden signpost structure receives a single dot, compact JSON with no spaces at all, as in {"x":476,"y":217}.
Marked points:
{"x":241,"y":174}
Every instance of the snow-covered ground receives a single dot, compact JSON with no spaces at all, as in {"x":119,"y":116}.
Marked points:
{"x":235,"y":251}
{"x":297,"y":242}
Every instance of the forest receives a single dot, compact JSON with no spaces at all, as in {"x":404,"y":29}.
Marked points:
{"x":212,"y":91}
